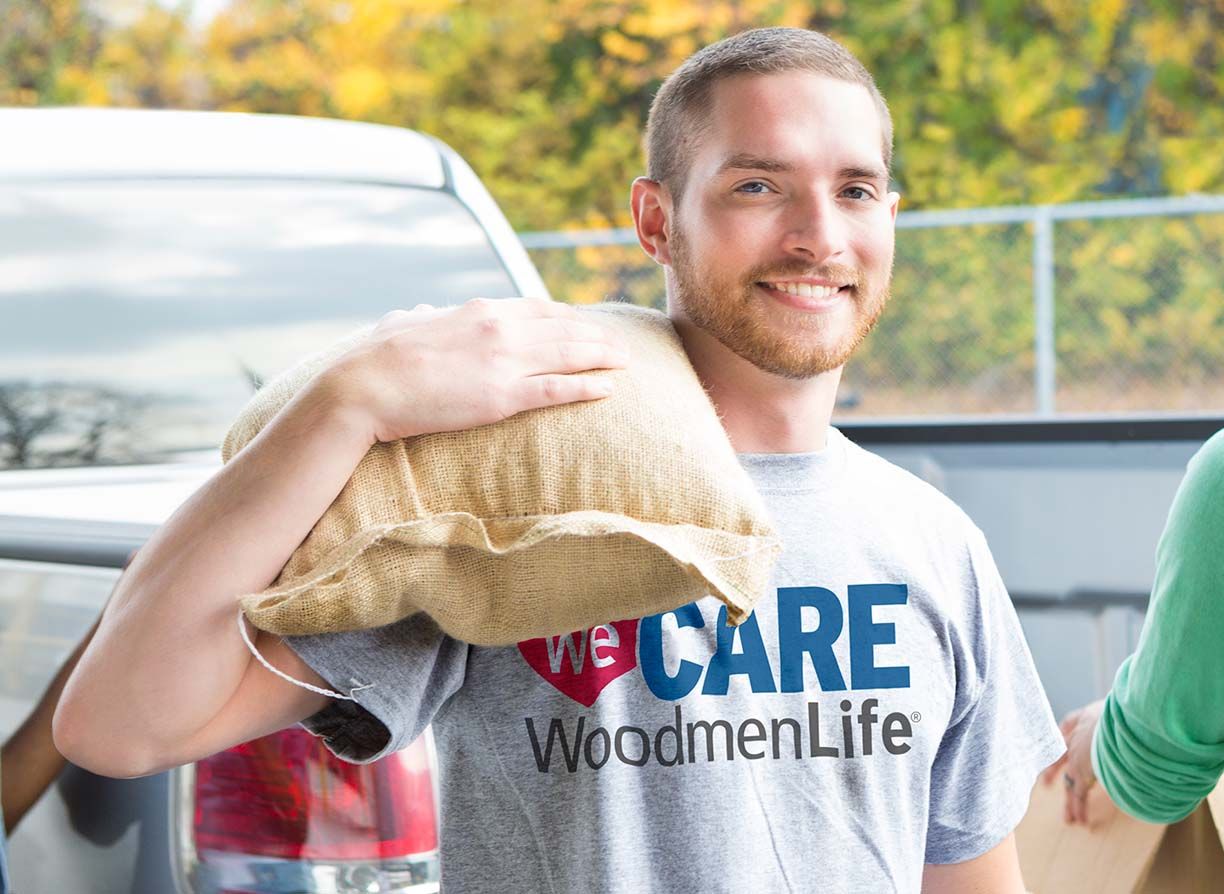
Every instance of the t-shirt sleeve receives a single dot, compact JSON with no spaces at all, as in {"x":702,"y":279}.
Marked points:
{"x":1159,"y":748}
{"x":400,"y":676}
{"x":1001,"y":734}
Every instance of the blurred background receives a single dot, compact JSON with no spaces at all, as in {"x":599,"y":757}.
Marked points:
{"x":1060,"y":165}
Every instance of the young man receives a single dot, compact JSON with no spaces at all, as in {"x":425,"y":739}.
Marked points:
{"x":876,"y":725}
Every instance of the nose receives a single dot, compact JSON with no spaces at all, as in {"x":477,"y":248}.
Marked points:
{"x":815,"y":230}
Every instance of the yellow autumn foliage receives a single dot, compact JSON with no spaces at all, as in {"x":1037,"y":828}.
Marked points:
{"x":993,"y":103}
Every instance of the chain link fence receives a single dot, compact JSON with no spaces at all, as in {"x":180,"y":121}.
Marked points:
{"x":1079,"y":309}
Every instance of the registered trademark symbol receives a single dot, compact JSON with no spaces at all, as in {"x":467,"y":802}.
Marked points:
{"x":915,"y":717}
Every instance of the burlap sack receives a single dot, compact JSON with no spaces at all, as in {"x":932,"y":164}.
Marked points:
{"x":551,"y":521}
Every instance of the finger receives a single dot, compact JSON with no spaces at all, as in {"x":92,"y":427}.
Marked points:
{"x":400,"y":318}
{"x":520,"y":308}
{"x":1067,"y":725}
{"x":572,"y":357}
{"x":1100,"y":807}
{"x":1079,"y":755}
{"x":1080,"y":766}
{"x":551,"y":329}
{"x":551,"y":390}
{"x":1052,"y":773}
{"x":1092,"y":817}
{"x":1077,"y":795}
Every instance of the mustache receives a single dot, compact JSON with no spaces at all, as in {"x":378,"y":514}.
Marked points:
{"x":839,"y":273}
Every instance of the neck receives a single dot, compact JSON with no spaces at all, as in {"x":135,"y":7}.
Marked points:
{"x":762,"y":412}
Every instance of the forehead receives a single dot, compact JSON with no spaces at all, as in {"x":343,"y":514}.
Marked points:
{"x":806,"y":119}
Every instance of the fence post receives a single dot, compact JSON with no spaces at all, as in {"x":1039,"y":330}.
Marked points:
{"x":1043,"y":310}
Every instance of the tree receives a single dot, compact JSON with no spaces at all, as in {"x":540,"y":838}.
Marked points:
{"x":994,"y":102}
{"x":42,"y":44}
{"x":55,"y":423}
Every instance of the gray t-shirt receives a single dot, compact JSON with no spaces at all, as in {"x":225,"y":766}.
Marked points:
{"x":878,"y":711}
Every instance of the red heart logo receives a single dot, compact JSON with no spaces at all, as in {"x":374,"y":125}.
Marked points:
{"x":582,"y":663}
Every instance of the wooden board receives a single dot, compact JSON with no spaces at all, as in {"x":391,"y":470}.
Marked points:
{"x":1060,"y":859}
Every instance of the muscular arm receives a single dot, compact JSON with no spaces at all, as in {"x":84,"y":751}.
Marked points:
{"x":995,"y":872}
{"x":167,"y":660}
{"x":167,"y":679}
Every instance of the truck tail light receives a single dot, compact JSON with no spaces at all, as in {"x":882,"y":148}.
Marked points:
{"x":281,"y":814}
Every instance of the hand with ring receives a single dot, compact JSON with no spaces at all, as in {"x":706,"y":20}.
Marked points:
{"x":1083,"y":804}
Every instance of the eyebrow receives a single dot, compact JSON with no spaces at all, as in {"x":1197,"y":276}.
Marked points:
{"x":747,"y":161}
{"x":856,"y":173}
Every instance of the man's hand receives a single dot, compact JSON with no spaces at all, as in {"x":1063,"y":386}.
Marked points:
{"x":1086,"y":802}
{"x":434,"y":370}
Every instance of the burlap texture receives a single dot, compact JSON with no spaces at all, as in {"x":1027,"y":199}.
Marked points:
{"x":551,"y":521}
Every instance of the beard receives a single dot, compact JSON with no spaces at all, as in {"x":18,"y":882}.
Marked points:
{"x":731,"y":311}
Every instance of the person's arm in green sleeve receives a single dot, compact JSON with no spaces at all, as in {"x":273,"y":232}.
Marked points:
{"x":1157,"y":745}
{"x":1157,"y":741}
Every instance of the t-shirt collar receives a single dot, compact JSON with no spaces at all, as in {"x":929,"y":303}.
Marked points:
{"x":794,"y":472}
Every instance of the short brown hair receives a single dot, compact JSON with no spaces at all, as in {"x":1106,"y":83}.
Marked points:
{"x":674,"y":125}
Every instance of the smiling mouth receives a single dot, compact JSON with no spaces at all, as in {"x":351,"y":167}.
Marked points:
{"x":817,"y":291}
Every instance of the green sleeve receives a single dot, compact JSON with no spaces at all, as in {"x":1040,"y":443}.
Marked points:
{"x":1159,"y":748}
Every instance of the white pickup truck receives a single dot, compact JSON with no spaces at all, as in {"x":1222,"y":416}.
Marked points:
{"x":154,"y":268}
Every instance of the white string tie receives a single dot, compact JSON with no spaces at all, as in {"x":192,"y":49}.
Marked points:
{"x":246,"y":638}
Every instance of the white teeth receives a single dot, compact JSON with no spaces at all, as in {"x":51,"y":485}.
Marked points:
{"x":804,"y":290}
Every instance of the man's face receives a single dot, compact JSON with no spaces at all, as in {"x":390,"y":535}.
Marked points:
{"x":782,"y":242}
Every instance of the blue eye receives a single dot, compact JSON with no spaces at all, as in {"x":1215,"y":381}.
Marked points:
{"x":860,"y":193}
{"x":744,"y":187}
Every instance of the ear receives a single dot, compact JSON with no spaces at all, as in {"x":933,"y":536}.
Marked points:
{"x":894,"y":203}
{"x":652,"y":207}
